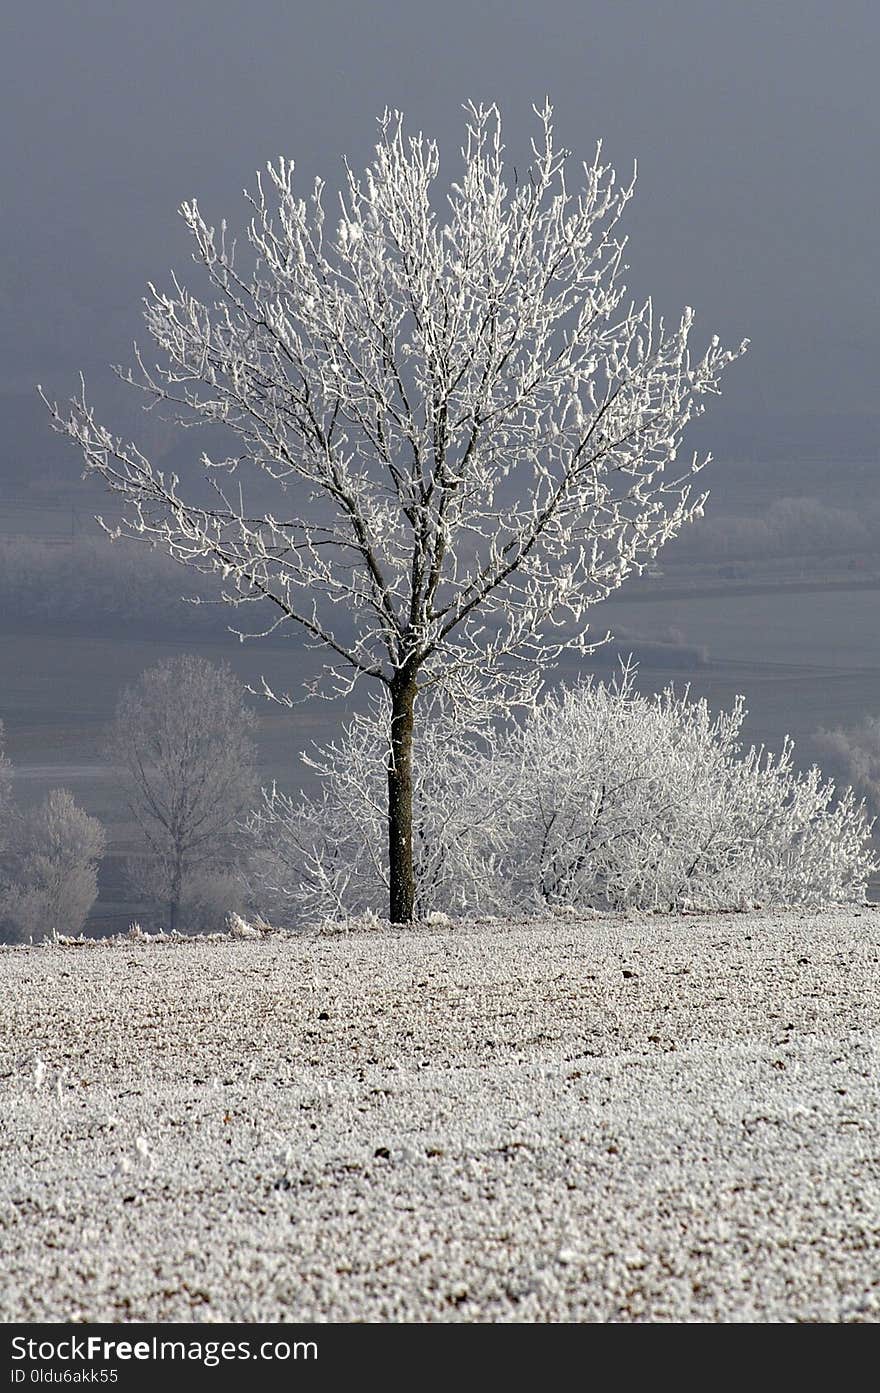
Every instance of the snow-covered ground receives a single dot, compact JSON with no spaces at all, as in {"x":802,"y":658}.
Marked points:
{"x":603,"y":1119}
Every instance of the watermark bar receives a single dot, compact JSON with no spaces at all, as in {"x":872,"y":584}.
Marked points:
{"x":267,"y":1357}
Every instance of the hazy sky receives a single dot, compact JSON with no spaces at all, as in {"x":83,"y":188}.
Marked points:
{"x":755,"y":126}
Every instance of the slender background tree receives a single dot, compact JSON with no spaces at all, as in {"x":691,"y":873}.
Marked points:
{"x":182,"y":737}
{"x":470,"y":431}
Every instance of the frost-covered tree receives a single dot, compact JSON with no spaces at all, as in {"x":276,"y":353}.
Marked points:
{"x":597,"y":797}
{"x":183,"y":738}
{"x":52,"y":869}
{"x":852,"y":754}
{"x":471,"y":432}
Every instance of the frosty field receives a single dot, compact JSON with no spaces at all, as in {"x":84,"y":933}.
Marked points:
{"x":601,"y":1119}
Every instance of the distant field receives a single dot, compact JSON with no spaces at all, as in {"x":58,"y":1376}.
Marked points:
{"x":603,"y":1120}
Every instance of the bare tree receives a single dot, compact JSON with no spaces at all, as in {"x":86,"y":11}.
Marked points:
{"x":53,"y":869}
{"x":469,"y":429}
{"x":183,"y":738}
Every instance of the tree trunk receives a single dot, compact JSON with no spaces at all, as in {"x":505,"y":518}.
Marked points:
{"x":400,"y":802}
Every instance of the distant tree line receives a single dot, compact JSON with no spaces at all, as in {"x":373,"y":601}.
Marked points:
{"x":789,"y":527}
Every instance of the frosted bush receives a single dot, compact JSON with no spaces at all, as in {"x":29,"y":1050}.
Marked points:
{"x":597,"y":798}
{"x":612,"y":799}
